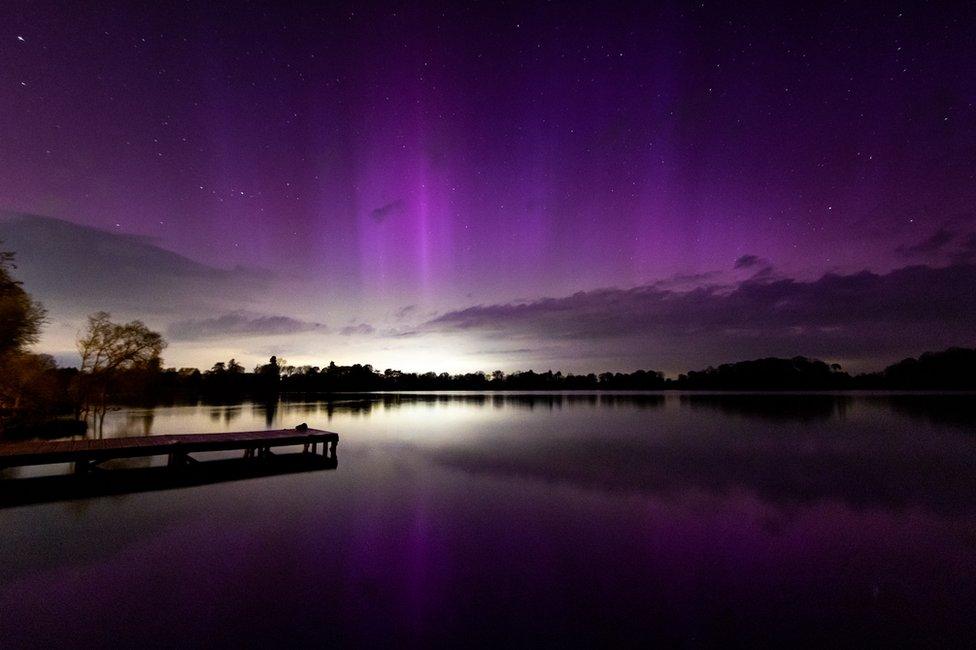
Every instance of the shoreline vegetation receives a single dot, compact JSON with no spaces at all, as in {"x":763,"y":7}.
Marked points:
{"x":950,"y":370}
{"x":67,"y":407}
{"x":121,"y":364}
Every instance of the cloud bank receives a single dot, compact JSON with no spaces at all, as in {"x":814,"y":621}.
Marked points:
{"x":907,"y":310}
{"x":240,"y":324}
{"x":361,"y":328}
{"x":950,"y":242}
{"x":863,"y":320}
{"x":77,"y":269}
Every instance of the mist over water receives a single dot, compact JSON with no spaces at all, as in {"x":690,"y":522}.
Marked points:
{"x":520,"y":519}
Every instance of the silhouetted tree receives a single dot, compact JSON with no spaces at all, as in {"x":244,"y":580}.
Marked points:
{"x":110,"y":351}
{"x":269,"y":376}
{"x":952,"y":369}
{"x":21,"y":317}
{"x":28,"y":382}
{"x":798,"y":373}
{"x":29,"y":386}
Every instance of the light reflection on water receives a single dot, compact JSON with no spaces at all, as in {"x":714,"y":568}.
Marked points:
{"x":544,"y":518}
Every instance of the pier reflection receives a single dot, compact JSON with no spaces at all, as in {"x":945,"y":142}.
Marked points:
{"x":135,"y":477}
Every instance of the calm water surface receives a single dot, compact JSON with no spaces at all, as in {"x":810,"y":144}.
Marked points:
{"x":524,"y":520}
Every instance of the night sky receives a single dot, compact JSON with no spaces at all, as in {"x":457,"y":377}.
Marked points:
{"x":497,"y":185}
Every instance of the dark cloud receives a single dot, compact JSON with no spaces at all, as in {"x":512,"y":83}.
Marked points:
{"x":966,"y":253}
{"x":688,"y":280}
{"x":240,"y":324}
{"x":747,"y":261}
{"x":404,"y":312}
{"x":906,"y":310}
{"x":361,"y":328}
{"x":76,"y":269}
{"x":937,"y":242}
{"x":761,"y":270}
{"x":954,"y":242}
{"x":393,"y":209}
{"x":400,"y":333}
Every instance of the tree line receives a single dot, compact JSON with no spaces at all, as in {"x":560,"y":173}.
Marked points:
{"x":952,"y":369}
{"x":121,"y":364}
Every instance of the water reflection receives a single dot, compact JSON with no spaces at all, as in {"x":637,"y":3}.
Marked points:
{"x":543,"y":519}
{"x":226,"y":414}
{"x":956,"y":410}
{"x":862,"y":449}
{"x":777,"y":407}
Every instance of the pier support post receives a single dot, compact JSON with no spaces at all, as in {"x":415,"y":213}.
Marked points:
{"x":177,"y":459}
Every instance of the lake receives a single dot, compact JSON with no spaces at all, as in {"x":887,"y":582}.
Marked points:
{"x":546,"y":519}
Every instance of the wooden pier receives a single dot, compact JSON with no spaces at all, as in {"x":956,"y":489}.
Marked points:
{"x":88,"y":454}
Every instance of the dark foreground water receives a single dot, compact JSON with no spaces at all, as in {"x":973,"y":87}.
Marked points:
{"x":522,"y":521}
